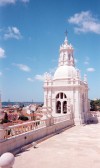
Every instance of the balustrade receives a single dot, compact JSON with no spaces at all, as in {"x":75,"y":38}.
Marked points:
{"x":62,"y":118}
{"x":25,"y":127}
{"x":32,"y":125}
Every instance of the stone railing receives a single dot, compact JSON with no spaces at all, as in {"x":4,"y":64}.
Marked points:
{"x":32,"y":125}
{"x":62,"y":118}
{"x":21,"y":128}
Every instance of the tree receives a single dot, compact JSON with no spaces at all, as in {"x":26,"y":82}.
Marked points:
{"x":23,"y":118}
{"x":95,"y":105}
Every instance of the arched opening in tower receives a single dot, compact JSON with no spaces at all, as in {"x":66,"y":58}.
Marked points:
{"x":65,"y":107}
{"x":58,"y":107}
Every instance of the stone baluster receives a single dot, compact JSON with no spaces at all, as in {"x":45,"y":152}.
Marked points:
{"x":2,"y":134}
{"x":21,"y":129}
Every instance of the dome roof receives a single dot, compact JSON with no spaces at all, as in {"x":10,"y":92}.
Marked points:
{"x":64,"y":72}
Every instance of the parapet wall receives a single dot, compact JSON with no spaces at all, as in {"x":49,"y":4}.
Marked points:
{"x":18,"y":141}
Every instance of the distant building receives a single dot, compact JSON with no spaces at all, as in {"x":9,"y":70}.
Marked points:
{"x":66,"y":92}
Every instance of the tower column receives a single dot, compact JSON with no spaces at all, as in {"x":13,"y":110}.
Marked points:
{"x":77,"y":113}
{"x":61,"y":107}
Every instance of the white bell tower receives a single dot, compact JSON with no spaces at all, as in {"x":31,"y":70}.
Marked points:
{"x":65,"y":92}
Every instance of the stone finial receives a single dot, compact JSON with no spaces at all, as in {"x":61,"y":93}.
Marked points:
{"x":66,"y":34}
{"x":7,"y":160}
{"x":85,"y":78}
{"x":47,"y":76}
{"x":78,"y":74}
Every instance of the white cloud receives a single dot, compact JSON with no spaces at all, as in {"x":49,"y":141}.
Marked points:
{"x":85,"y":22}
{"x":1,"y":74}
{"x":12,"y":32}
{"x":4,"y":2}
{"x":24,"y":1}
{"x":30,"y":79}
{"x":90,"y":69}
{"x":8,"y":2}
{"x":22,"y":67}
{"x":2,"y":53}
{"x":40,"y":77}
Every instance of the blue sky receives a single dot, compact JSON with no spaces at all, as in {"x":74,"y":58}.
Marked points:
{"x":31,"y":32}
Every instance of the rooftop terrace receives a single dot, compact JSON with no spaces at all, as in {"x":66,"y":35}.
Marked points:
{"x":77,"y":147}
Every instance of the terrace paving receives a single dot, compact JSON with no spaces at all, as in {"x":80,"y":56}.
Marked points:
{"x":77,"y":147}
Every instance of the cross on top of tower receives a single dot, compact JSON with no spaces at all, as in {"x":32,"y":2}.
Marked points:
{"x":66,"y":33}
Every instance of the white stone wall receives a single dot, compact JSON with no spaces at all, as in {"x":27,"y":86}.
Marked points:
{"x":74,"y":93}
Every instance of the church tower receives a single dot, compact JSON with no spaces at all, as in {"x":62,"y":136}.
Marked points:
{"x":65,"y":92}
